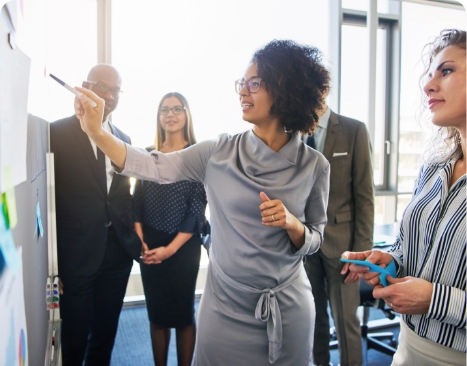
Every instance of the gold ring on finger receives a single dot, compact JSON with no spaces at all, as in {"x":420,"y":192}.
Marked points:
{"x":272,"y":217}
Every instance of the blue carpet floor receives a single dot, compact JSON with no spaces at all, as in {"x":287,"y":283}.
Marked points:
{"x":133,"y":343}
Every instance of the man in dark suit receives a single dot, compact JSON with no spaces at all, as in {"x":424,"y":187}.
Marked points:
{"x":345,"y":143}
{"x":95,"y":231}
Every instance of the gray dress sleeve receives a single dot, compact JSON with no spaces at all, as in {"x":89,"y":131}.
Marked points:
{"x":186,"y":164}
{"x":315,"y":215}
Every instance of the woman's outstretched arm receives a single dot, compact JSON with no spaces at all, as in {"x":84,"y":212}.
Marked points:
{"x":91,"y":123}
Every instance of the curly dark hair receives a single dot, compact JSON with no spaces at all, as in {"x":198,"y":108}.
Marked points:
{"x":296,"y":80}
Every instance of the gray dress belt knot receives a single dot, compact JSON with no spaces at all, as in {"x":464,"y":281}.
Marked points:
{"x":267,"y":308}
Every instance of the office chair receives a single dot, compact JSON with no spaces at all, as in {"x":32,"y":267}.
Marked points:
{"x":371,"y":340}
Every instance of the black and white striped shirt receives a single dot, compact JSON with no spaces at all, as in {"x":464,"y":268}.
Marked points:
{"x":432,"y":245}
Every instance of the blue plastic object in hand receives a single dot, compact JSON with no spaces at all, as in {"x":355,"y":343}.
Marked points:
{"x":389,"y":270}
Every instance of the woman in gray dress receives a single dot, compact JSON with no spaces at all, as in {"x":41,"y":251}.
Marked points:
{"x":268,"y":195}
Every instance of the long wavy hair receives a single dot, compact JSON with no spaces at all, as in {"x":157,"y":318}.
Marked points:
{"x":446,"y":140}
{"x":188,"y":131}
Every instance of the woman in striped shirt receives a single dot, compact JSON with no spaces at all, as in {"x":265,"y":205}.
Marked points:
{"x":430,"y":251}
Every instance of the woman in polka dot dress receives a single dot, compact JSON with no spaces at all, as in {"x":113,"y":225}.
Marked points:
{"x":169,"y":220}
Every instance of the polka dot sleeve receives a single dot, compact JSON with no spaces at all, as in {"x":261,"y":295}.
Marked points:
{"x":194,"y":218}
{"x":170,"y":208}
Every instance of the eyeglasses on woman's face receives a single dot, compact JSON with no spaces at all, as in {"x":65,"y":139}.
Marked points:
{"x":252,"y":84}
{"x":103,"y":88}
{"x":175,"y":110}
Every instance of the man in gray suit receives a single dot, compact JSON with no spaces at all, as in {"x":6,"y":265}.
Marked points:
{"x":345,"y":143}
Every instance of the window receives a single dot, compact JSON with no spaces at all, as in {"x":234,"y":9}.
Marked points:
{"x":199,"y":49}
{"x":71,"y":52}
{"x":403,"y":28}
{"x":383,"y":5}
{"x":365,"y":89}
{"x":354,"y":95}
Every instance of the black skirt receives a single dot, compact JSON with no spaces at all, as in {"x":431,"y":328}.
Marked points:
{"x":169,"y":287}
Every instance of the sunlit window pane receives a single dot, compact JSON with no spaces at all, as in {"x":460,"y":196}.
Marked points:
{"x":383,"y":6}
{"x":385,"y":209}
{"x":71,"y":50}
{"x":354,"y":72}
{"x":379,"y":151}
{"x":402,"y":202}
{"x":199,"y":48}
{"x":354,"y":87}
{"x":355,"y":4}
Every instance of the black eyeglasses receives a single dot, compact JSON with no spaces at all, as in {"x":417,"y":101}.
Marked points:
{"x":252,"y":84}
{"x":104,"y":88}
{"x":175,"y":110}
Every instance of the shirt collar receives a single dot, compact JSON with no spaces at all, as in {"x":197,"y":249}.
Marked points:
{"x":324,"y":119}
{"x":106,"y":125}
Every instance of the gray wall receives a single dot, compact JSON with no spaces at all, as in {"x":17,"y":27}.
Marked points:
{"x":28,"y":194}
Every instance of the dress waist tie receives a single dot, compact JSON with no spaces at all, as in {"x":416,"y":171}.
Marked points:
{"x":267,"y":308}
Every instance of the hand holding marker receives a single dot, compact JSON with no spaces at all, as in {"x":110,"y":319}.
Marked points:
{"x":73,"y":90}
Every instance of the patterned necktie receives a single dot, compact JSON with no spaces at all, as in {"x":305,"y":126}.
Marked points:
{"x":310,"y":141}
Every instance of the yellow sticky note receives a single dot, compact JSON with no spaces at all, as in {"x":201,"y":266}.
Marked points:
{"x":9,"y":199}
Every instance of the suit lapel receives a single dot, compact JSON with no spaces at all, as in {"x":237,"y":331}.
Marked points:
{"x":88,"y":152}
{"x":115,"y":131}
{"x":331,"y":135}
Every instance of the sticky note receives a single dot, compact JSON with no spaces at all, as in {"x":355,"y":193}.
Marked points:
{"x":2,"y":263}
{"x":39,"y":220}
{"x":7,"y":245}
{"x":9,"y":199}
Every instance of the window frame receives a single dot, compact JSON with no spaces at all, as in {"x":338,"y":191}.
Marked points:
{"x":372,"y":20}
{"x":352,"y":19}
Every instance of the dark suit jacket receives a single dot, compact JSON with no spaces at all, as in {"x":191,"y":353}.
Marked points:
{"x":83,"y":206}
{"x":351,"y":196}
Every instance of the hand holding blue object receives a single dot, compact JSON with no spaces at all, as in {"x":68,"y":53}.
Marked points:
{"x":389,"y":270}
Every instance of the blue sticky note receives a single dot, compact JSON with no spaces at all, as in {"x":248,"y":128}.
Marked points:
{"x":39,"y":220}
{"x":7,"y":246}
{"x":389,"y":270}
{"x":2,"y":263}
